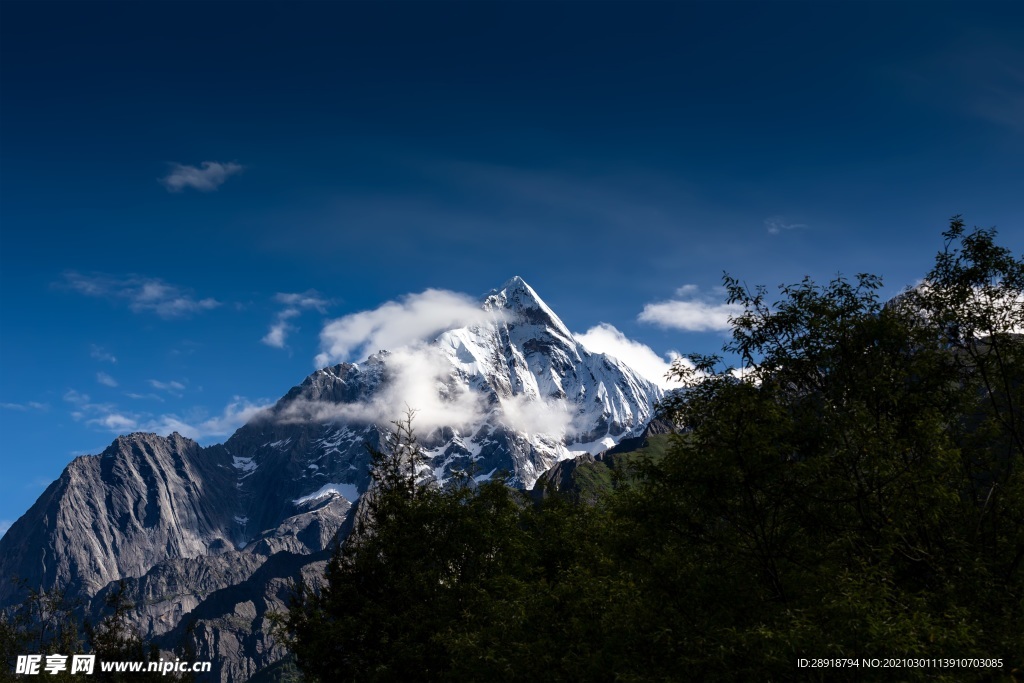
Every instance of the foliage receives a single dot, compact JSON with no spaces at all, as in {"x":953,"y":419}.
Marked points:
{"x":43,"y":623}
{"x":858,"y":492}
{"x":855,"y":489}
{"x":114,"y":639}
{"x":50,"y":623}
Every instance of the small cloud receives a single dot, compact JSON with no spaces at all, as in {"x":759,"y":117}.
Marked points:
{"x":536,"y":416}
{"x":605,"y":338}
{"x":691,"y":312}
{"x":294,"y":305}
{"x":277,"y":334}
{"x":395,"y":324}
{"x":83,"y":405}
{"x":30,"y":405}
{"x":687,"y":290}
{"x":235,"y":414}
{"x":209,"y":177}
{"x":309,"y":299}
{"x":174,"y":388}
{"x":5,"y":524}
{"x":101,"y":354}
{"x":105,"y":379}
{"x":115,"y":422}
{"x":76,"y":397}
{"x":144,"y":397}
{"x":150,"y":295}
{"x":777,"y":224}
{"x":419,"y":376}
{"x":238,"y":412}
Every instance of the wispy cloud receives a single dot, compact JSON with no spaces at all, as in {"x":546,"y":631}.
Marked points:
{"x":294,"y":304}
{"x":691,"y":311}
{"x":999,"y":95}
{"x":143,"y":295}
{"x":76,"y":397}
{"x":418,"y":376}
{"x":5,"y":524}
{"x":144,"y":397}
{"x":605,"y":338}
{"x":83,"y":405}
{"x":778,"y":224}
{"x":30,"y":405}
{"x":308,"y":299}
{"x":105,"y":379}
{"x":206,"y":177}
{"x":101,"y":354}
{"x":988,"y":78}
{"x":395,"y":324}
{"x":173,"y":387}
{"x":116,"y":422}
{"x":195,"y":425}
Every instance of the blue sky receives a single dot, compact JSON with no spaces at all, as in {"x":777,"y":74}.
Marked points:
{"x":191,"y":192}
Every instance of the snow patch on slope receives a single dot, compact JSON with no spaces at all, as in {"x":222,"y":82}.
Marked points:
{"x":349,"y":492}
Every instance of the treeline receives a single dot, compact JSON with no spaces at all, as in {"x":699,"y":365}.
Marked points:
{"x":856,"y":491}
{"x":50,"y":623}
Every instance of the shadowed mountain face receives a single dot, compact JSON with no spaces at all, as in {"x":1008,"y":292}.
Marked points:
{"x":208,"y":537}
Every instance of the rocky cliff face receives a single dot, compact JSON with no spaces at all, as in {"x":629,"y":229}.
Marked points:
{"x":206,"y":539}
{"x":143,"y":500}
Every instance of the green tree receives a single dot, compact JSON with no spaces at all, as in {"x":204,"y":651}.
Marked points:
{"x":49,"y":623}
{"x":854,"y":491}
{"x":114,"y":639}
{"x":43,"y":623}
{"x":462,"y":583}
{"x":407,"y":574}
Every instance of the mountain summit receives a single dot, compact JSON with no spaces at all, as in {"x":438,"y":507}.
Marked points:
{"x":201,"y":533}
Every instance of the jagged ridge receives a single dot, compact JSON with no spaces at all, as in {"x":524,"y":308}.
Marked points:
{"x":512,"y":392}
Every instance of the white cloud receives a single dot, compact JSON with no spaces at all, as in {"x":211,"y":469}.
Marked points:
{"x":143,"y":397}
{"x":105,"y":379}
{"x":116,"y":422}
{"x":277,"y":334}
{"x":30,"y":405}
{"x":776,"y":224}
{"x":101,"y":354}
{"x":235,"y":414}
{"x":142,"y":294}
{"x":309,"y":299}
{"x":415,"y":317}
{"x":294,"y":305}
{"x":206,"y":179}
{"x":419,"y":377}
{"x":5,"y":524}
{"x":691,"y":312}
{"x":692,"y":316}
{"x":688,"y":290}
{"x":605,"y":338}
{"x":536,"y":416}
{"x":83,"y":404}
{"x":171,"y":387}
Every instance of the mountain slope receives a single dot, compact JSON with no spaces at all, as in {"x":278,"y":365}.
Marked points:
{"x":511,"y":392}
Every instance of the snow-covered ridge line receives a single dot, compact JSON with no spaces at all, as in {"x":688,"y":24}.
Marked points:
{"x":349,"y":492}
{"x":513,"y":390}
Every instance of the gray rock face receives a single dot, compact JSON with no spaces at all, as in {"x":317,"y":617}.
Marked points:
{"x":207,"y":539}
{"x":143,"y":500}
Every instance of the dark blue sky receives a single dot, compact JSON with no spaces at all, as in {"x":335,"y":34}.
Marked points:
{"x":610,"y":153}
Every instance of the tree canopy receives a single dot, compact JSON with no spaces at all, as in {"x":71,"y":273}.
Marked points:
{"x":854,"y":488}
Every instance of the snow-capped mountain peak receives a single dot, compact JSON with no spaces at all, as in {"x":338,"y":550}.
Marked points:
{"x":519,"y":300}
{"x":506,"y":388}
